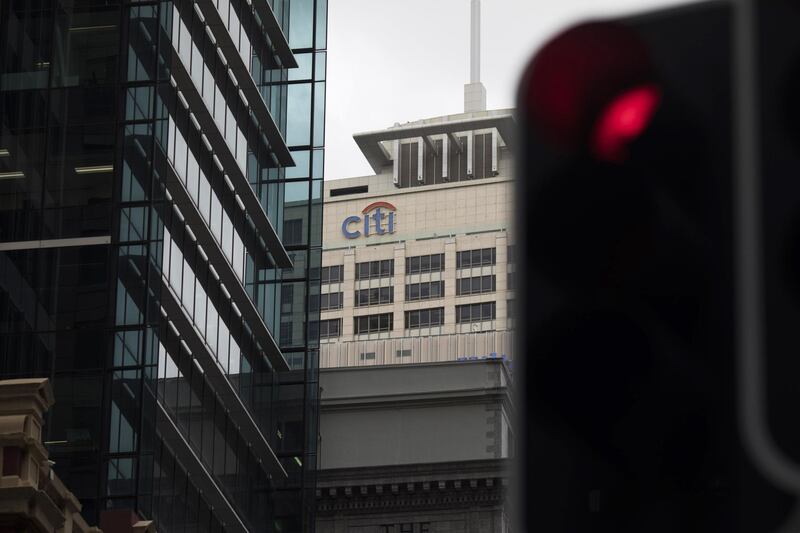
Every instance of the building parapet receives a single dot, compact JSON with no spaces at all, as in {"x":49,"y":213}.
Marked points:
{"x":415,"y":350}
{"x":371,"y":143}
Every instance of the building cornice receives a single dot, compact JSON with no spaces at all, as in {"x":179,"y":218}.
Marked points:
{"x":378,"y":158}
{"x":407,"y":190}
{"x":412,"y":400}
{"x":413,"y":487}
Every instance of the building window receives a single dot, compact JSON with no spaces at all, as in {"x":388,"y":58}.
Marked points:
{"x":367,"y":356}
{"x":286,"y":334}
{"x":476,"y":258}
{"x":287,"y":298}
{"x":476,"y":285}
{"x":345,"y":191}
{"x":511,"y":281}
{"x":425,"y":318}
{"x":511,"y":253}
{"x":510,"y":308}
{"x":331,"y":274}
{"x":425,"y":290}
{"x":332,"y":300}
{"x":375,"y":269}
{"x":373,"y":323}
{"x":425,"y":263}
{"x":475,"y":312}
{"x":403,"y":353}
{"x":330,"y":328}
{"x":293,"y":231}
{"x":374,"y":296}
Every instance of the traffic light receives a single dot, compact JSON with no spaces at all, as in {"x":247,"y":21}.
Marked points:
{"x":635,"y":387}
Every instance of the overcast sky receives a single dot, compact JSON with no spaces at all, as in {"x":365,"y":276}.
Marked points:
{"x":401,"y":60}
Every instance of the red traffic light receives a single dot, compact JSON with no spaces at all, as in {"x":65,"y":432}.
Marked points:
{"x":624,"y":119}
{"x":592,"y":89}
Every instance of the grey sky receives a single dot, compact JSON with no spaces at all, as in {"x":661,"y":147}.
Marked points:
{"x":400,"y":60}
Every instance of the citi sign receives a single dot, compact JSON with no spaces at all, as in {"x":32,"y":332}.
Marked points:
{"x":377,"y":218}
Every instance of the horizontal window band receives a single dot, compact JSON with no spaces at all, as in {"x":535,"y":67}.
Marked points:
{"x":55,"y":243}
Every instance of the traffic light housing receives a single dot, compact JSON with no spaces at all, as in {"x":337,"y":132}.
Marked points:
{"x":631,"y":241}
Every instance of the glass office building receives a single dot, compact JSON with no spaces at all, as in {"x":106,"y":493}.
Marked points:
{"x":160,"y":233}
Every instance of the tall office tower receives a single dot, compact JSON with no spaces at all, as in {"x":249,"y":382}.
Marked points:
{"x":418,"y":262}
{"x":151,"y":154}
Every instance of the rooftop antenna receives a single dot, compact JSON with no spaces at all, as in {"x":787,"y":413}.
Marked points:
{"x":474,"y":91}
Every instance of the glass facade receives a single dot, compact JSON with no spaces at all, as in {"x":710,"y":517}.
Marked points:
{"x":161,"y":168}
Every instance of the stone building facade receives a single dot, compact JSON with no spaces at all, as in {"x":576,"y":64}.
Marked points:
{"x":415,"y":448}
{"x":32,"y":498}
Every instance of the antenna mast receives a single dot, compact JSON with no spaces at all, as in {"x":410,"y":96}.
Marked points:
{"x":474,"y":91}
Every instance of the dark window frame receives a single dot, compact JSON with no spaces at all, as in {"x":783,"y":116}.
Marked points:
{"x":420,"y":290}
{"x":367,"y":324}
{"x":476,"y":258}
{"x":325,"y":331}
{"x":417,"y":264}
{"x":424,"y":318}
{"x":293,"y":232}
{"x":382,"y":268}
{"x":326,"y":274}
{"x":484,"y":284}
{"x":374,"y":296}
{"x":477,"y":312}
{"x":331,"y":301}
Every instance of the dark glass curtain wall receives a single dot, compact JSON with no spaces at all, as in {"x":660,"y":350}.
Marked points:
{"x":119,"y":223}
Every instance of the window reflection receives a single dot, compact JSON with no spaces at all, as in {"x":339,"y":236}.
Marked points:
{"x":86,"y":48}
{"x":124,"y":411}
{"x":298,"y":111}
{"x":26,"y":46}
{"x":301,"y":25}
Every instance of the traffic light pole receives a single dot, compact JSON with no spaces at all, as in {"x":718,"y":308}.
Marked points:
{"x":751,"y":354}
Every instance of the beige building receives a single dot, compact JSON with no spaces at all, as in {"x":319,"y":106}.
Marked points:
{"x":418,"y":258}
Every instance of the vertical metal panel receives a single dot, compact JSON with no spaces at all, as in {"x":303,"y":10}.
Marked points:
{"x":396,"y":165}
{"x":495,"y":168}
{"x":420,"y":161}
{"x":470,"y":154}
{"x":445,"y":145}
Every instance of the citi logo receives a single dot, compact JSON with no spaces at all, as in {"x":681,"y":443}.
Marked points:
{"x":377,"y":216}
